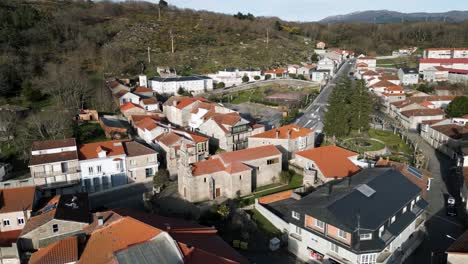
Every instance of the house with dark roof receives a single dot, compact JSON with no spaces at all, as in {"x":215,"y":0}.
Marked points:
{"x":114,"y":127}
{"x":54,"y":166}
{"x":229,"y":174}
{"x":122,"y":236}
{"x":457,"y":253}
{"x":195,"y":84}
{"x":361,"y":219}
{"x":141,"y":162}
{"x":62,"y":216}
{"x":408,"y":76}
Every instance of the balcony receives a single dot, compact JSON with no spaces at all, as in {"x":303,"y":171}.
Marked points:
{"x":42,"y":174}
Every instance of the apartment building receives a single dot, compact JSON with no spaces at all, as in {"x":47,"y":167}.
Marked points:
{"x":288,"y":139}
{"x":178,"y":110}
{"x":360,"y":220}
{"x":229,"y":174}
{"x":408,"y":76}
{"x":196,"y":84}
{"x":412,"y":119}
{"x":446,"y":53}
{"x":141,"y":162}
{"x":54,"y":166}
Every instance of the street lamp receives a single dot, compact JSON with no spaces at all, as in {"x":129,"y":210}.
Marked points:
{"x":449,"y":236}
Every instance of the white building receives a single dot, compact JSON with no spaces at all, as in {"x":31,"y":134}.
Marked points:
{"x":446,"y":53}
{"x":196,"y":84}
{"x":127,"y":97}
{"x":408,"y":76}
{"x":354,"y":221}
{"x":327,"y":64}
{"x":436,"y":74}
{"x":231,"y":77}
{"x":366,"y":63}
{"x":459,"y":64}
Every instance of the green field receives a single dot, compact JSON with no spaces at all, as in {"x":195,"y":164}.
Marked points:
{"x":411,"y":62}
{"x":263,"y":223}
{"x":392,"y":141}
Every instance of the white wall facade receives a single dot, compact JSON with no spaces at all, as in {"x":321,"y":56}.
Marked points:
{"x":197,"y":86}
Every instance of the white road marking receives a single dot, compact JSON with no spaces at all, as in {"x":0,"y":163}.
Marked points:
{"x":308,"y":122}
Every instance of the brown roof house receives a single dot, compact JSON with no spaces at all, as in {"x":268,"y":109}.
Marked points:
{"x":325,"y":164}
{"x":412,"y":119}
{"x":54,"y":166}
{"x":63,"y":216}
{"x":445,"y":136}
{"x":114,"y":127}
{"x":229,"y":174}
{"x":141,"y":162}
{"x":288,"y":139}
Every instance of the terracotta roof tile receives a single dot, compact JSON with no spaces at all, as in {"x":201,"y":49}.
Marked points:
{"x":142,"y":89}
{"x":168,"y":139}
{"x":207,"y":167}
{"x":17,"y":199}
{"x":52,"y":144}
{"x":389,"y":77}
{"x":149,"y":101}
{"x":444,"y":61}
{"x":146,"y":123}
{"x":332,"y":161}
{"x":182,"y":102}
{"x":62,"y":251}
{"x":112,"y":148}
{"x":249,"y":154}
{"x":121,"y":93}
{"x":293,"y":131}
{"x":423,"y":112}
{"x":395,"y":88}
{"x":383,"y":84}
{"x":275,"y":197}
{"x":229,"y":119}
{"x":7,"y":238}
{"x":128,"y":106}
{"x":452,"y":130}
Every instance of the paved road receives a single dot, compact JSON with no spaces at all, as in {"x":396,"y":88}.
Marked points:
{"x":314,"y":114}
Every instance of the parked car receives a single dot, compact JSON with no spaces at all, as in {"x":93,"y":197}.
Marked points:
{"x":450,"y":208}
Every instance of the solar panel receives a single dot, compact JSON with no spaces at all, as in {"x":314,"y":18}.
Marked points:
{"x":366,"y":190}
{"x":415,"y":172}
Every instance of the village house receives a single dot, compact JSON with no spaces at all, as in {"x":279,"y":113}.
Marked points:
{"x":140,"y":237}
{"x":129,"y":109}
{"x":202,"y":111}
{"x":229,"y":131}
{"x":288,"y":139}
{"x":233,"y":76}
{"x":114,"y":127}
{"x":359,"y":220}
{"x":148,"y":129}
{"x":143,"y":91}
{"x":141,"y":162}
{"x":324,"y":164}
{"x":391,"y":78}
{"x":457,"y":253}
{"x":319,"y":75}
{"x":408,"y":76}
{"x":229,"y":174}
{"x":436,"y":74}
{"x":446,"y":53}
{"x":393,"y":94}
{"x":196,"y":84}
{"x":87,"y":115}
{"x":64,"y":215}
{"x":178,"y":110}
{"x":306,"y":70}
{"x":364,"y":63}
{"x":127,"y":97}
{"x":412,"y":119}
{"x":379,"y":87}
{"x":150,"y":104}
{"x":458,"y":64}
{"x":276,"y":73}
{"x":174,"y":143}
{"x":445,"y":136}
{"x":328,"y":65}
{"x":54,"y":166}
{"x":320,"y":45}
{"x":419,"y":102}
{"x":116,"y":86}
{"x":292,"y":68}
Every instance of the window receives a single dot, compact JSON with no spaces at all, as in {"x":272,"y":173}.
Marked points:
{"x":55,"y":228}
{"x":367,"y":236}
{"x":393,"y":219}
{"x":296,"y":215}
{"x":117,"y":165}
{"x":412,"y":205}
{"x":20,"y":220}
{"x":405,"y":209}
{"x":90,"y":170}
{"x":342,"y":234}
{"x":298,"y":230}
{"x":149,"y":172}
{"x":99,"y":168}
{"x":418,"y":198}
{"x":334,"y":247}
{"x":272,"y":161}
{"x":6,"y":222}
{"x":367,"y":259}
{"x":204,"y":179}
{"x":240,"y":177}
{"x":133,"y":162}
{"x":319,"y":224}
{"x":381,"y":230}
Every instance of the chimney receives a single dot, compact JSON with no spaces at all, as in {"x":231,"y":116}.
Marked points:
{"x":100,"y":220}
{"x":277,"y":133}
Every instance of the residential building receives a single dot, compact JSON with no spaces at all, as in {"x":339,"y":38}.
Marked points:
{"x":141,"y":238}
{"x":436,"y":74}
{"x":150,"y":104}
{"x":376,"y":216}
{"x":87,"y":115}
{"x":364,"y":63}
{"x":391,"y":78}
{"x":102,"y":165}
{"x":229,"y":174}
{"x":143,"y":91}
{"x":116,"y":86}
{"x":445,"y":136}
{"x":319,"y":75}
{"x":288,"y":139}
{"x":129,"y":109}
{"x":176,"y":143}
{"x":460,"y":64}
{"x":196,"y":84}
{"x":457,"y":253}
{"x":63,"y":216}
{"x":127,"y":97}
{"x":141,"y":162}
{"x":408,"y":76}
{"x":325,"y":164}
{"x":446,"y":53}
{"x":202,"y":111}
{"x":233,"y":76}
{"x":292,"y":68}
{"x":114,"y":127}
{"x":228,"y":131}
{"x":277,"y":73}
{"x":328,"y":65}
{"x":320,"y":45}
{"x":178,"y":110}
{"x":306,"y":70}
{"x":379,"y":87}
{"x":412,"y":119}
{"x":16,"y":206}
{"x":54,"y":166}
{"x":148,"y":129}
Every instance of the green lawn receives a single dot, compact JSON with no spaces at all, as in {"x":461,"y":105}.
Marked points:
{"x":393,"y":141}
{"x":90,"y":132}
{"x":263,"y":223}
{"x":396,"y":62}
{"x":296,"y":182}
{"x":359,"y":145}
{"x":259,"y":189}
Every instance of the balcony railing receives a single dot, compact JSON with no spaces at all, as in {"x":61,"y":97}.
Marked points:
{"x":71,"y":170}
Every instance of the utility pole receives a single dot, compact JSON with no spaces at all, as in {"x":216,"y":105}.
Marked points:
{"x":172,"y":40}
{"x":159,"y":12}
{"x":149,"y":56}
{"x":268,"y":36}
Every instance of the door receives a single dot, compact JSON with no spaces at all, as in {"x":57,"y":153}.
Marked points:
{"x":64,"y":167}
{"x":218,"y":192}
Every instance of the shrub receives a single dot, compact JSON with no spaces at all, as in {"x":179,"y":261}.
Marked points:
{"x":220,"y":85}
{"x":257,"y":78}
{"x":268,"y":76}
{"x":245,"y":79}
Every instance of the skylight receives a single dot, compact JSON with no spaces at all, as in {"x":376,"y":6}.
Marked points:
{"x":366,"y":190}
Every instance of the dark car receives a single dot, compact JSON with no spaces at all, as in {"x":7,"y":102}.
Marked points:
{"x":450,"y":208}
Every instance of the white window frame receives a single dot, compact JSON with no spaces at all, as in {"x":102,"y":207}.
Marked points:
{"x":298,"y":230}
{"x":368,"y":258}
{"x":132,"y":162}
{"x":99,"y":168}
{"x":381,"y":231}
{"x":90,"y":170}
{"x":405,"y":209}
{"x":6,"y":222}
{"x":340,"y":234}
{"x":334,"y":247}
{"x":366,"y":236}
{"x":296,"y":215}
{"x":318,"y":222}
{"x":21,"y":221}
{"x":393,"y":219}
{"x":55,"y":226}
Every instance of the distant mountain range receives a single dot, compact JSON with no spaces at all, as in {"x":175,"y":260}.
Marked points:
{"x":386,"y":16}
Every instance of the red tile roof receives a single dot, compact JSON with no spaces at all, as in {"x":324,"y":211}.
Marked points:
{"x":121,"y":93}
{"x":423,"y":112}
{"x":229,"y":119}
{"x":17,"y":199}
{"x":395,"y":88}
{"x":168,"y":138}
{"x":128,"y":106}
{"x":390,"y":77}
{"x":426,"y":104}
{"x":275,"y":197}
{"x":293,"y":131}
{"x":371,"y":73}
{"x":183,"y":102}
{"x":142,"y":89}
{"x":446,"y":49}
{"x":90,"y":150}
{"x":249,"y":154}
{"x":62,"y":251}
{"x":53,"y":144}
{"x":207,"y":167}
{"x":452,"y":130}
{"x":332,"y":161}
{"x":383,"y":83}
{"x":146,"y":123}
{"x":276,"y":71}
{"x":7,"y":238}
{"x":149,"y":101}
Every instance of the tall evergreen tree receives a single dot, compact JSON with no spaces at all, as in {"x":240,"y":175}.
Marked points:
{"x":360,"y":107}
{"x":336,"y":121}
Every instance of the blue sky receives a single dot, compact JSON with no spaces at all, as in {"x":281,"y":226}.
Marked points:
{"x":312,"y":10}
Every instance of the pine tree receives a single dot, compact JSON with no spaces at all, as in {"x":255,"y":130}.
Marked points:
{"x":336,"y":121}
{"x":360,"y":107}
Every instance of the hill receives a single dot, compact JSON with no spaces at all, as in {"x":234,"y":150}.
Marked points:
{"x":386,"y":16}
